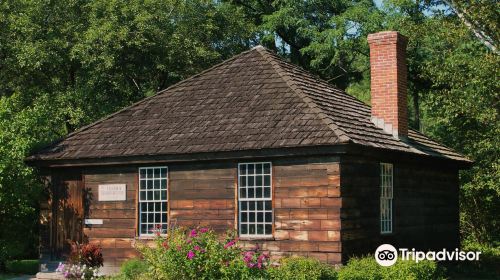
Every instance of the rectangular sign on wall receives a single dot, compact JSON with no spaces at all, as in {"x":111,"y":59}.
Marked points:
{"x":112,"y":192}
{"x":93,"y":221}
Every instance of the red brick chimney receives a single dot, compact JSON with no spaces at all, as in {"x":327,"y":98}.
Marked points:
{"x":389,"y":82}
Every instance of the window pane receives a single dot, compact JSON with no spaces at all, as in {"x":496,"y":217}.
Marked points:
{"x":258,"y":192}
{"x":154,"y":182}
{"x":258,"y":168}
{"x":269,"y":229}
{"x":244,"y":229}
{"x":260,"y":229}
{"x":268,"y":205}
{"x":267,"y":192}
{"x":260,"y":205}
{"x":269,"y":217}
{"x":267,"y":168}
{"x":254,"y":199}
{"x":260,"y":217}
{"x":251,"y":193}
{"x":386,"y":191}
{"x":258,"y":181}
{"x":251,"y":229}
{"x":267,"y":180}
{"x":251,"y":169}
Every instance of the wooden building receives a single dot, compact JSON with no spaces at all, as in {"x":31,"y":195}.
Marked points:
{"x":258,"y":145}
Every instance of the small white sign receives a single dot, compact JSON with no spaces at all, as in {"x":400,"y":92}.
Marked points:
{"x":112,"y":192}
{"x":93,"y":221}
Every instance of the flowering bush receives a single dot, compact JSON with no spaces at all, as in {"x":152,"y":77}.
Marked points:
{"x":87,"y":254}
{"x":83,"y":262}
{"x":200,"y":254}
{"x":78,"y":271}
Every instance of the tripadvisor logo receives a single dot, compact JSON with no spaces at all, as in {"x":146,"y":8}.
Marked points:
{"x":387,"y":255}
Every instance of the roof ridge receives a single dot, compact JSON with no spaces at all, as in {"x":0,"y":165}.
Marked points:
{"x":341,"y":134}
{"x":83,"y":128}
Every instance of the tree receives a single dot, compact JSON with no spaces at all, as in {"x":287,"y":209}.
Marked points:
{"x":323,"y":36}
{"x":481,"y":17}
{"x":64,"y":64}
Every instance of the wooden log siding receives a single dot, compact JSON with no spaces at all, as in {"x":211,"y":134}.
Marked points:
{"x":425,"y":206}
{"x":117,"y":233}
{"x":306,"y":209}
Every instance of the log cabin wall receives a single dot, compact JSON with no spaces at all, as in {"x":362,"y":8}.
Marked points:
{"x":425,"y":206}
{"x":117,"y":233}
{"x":306,"y":205}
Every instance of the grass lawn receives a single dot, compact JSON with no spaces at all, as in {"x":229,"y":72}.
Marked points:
{"x":4,"y":276}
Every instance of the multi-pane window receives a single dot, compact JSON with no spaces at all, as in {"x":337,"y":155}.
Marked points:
{"x":386,"y":191}
{"x":255,"y":199}
{"x":152,"y":200}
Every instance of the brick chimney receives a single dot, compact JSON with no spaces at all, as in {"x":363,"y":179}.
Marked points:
{"x":389,"y":82}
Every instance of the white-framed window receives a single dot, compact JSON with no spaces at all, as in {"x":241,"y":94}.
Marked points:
{"x":153,"y":200}
{"x":386,"y":195}
{"x":255,"y":205}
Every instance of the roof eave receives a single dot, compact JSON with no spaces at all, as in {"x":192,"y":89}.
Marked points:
{"x":338,"y":149}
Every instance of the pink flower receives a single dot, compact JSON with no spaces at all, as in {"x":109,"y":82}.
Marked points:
{"x":229,"y":244}
{"x":196,"y":248}
{"x":189,"y":241}
{"x":203,"y":230}
{"x":190,"y":255}
{"x":193,"y":233}
{"x":165,"y":244}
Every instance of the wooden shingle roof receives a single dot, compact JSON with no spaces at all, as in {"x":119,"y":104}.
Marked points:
{"x":254,"y":100}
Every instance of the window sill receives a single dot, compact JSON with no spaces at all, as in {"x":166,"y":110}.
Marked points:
{"x":256,"y":238}
{"x":148,"y":237}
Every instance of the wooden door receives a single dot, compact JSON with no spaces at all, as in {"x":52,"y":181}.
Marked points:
{"x":67,"y":212}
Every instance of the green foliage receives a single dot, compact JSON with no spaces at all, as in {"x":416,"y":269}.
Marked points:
{"x":326,"y":37}
{"x":64,"y":64}
{"x":366,"y":268}
{"x":486,"y":268}
{"x":201,"y":254}
{"x":301,"y":268}
{"x":29,"y":267}
{"x":133,"y":269}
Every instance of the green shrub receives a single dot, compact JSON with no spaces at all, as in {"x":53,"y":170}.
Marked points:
{"x":201,"y":254}
{"x":133,"y":268}
{"x":361,"y":269}
{"x":301,"y":268}
{"x":486,"y":268}
{"x":22,"y":266}
{"x":367,"y":268}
